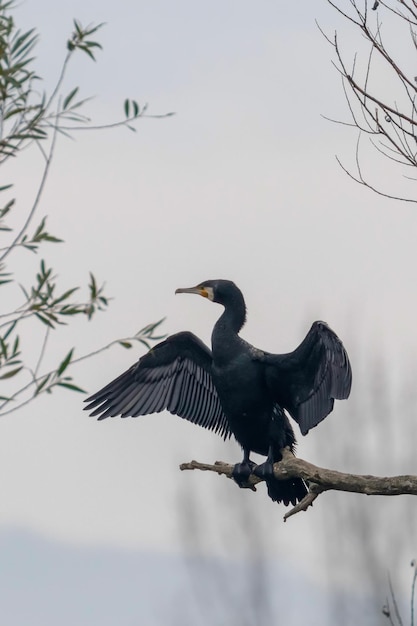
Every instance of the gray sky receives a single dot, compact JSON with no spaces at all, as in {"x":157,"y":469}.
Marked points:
{"x":242,"y":184}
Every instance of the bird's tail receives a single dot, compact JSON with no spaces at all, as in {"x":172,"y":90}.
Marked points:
{"x":286,"y":491}
{"x":294,"y":489}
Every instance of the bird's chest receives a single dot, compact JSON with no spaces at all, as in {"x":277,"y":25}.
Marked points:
{"x":241,"y":388}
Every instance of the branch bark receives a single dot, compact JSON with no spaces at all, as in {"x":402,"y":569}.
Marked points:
{"x":319,"y":479}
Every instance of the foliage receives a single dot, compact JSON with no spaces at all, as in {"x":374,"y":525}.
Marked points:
{"x":30,"y":119}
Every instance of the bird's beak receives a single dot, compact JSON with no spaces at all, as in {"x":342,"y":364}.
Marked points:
{"x":200,"y":291}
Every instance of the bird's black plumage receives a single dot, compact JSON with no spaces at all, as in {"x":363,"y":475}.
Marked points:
{"x":236,"y":389}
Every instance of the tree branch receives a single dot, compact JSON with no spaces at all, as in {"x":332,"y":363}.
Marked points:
{"x":319,"y":479}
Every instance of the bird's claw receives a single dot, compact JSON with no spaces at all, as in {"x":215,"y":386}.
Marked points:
{"x":241,"y":473}
{"x":265,"y":470}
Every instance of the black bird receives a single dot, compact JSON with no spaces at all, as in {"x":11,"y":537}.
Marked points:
{"x":236,"y":389}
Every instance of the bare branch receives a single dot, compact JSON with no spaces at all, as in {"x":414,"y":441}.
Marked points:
{"x":387,"y":116}
{"x":359,"y":179}
{"x":319,"y":479}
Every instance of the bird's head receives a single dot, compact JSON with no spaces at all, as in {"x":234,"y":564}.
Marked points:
{"x":226,"y":293}
{"x":220,"y":291}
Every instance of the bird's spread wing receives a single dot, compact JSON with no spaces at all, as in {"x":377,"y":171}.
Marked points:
{"x":307,"y":381}
{"x":174,"y":375}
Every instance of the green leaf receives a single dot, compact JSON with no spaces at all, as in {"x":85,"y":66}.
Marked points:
{"x":71,"y":310}
{"x":78,"y":104}
{"x":44,"y":320}
{"x":19,"y":40}
{"x":127,"y":107}
{"x":4,"y":348}
{"x":30,"y":246}
{"x":65,"y":295}
{"x":11,"y":373}
{"x":42,"y":384}
{"x":90,"y":30}
{"x":4,"y":187}
{"x":125,"y":344}
{"x":39,"y":230}
{"x":93,"y":287}
{"x":78,"y":28}
{"x":15,"y":350}
{"x":72,"y":387}
{"x":10,"y":330}
{"x":7,"y":207}
{"x":64,"y":364}
{"x":150,"y":327}
{"x":12,"y":112}
{"x":92,"y":44}
{"x":13,"y":362}
{"x":51,"y":238}
{"x":87,"y":51}
{"x":69,"y":98}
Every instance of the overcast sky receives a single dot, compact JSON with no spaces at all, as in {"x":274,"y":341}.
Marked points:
{"x":242,"y":183}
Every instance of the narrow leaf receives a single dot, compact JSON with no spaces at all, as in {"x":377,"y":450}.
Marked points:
{"x":64,"y":364}
{"x":44,"y":320}
{"x":87,"y":51}
{"x":11,"y":373}
{"x":69,"y":98}
{"x":10,"y":329}
{"x":72,"y":387}
{"x":65,"y":295}
{"x":3,"y":346}
{"x":42,"y":384}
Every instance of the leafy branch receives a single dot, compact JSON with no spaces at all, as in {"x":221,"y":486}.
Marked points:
{"x":45,"y":383}
{"x":31,"y":118}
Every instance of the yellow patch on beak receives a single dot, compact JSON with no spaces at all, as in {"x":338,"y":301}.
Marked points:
{"x":206,"y":292}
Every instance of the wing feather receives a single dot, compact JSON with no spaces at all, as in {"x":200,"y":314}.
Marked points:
{"x":307,"y":381}
{"x":175,"y":375}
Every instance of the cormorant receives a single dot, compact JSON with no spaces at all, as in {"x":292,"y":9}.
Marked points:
{"x":236,"y":389}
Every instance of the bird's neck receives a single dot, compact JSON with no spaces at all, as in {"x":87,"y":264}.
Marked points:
{"x":231,"y":321}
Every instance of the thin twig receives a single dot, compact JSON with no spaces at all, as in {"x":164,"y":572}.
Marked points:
{"x":37,"y":198}
{"x":413,"y":589}
{"x":41,"y":353}
{"x":117,"y":124}
{"x":36,"y":380}
{"x":394,"y":601}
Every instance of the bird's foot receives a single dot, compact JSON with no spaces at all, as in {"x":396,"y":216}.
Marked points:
{"x":265,"y":470}
{"x":241,"y":473}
